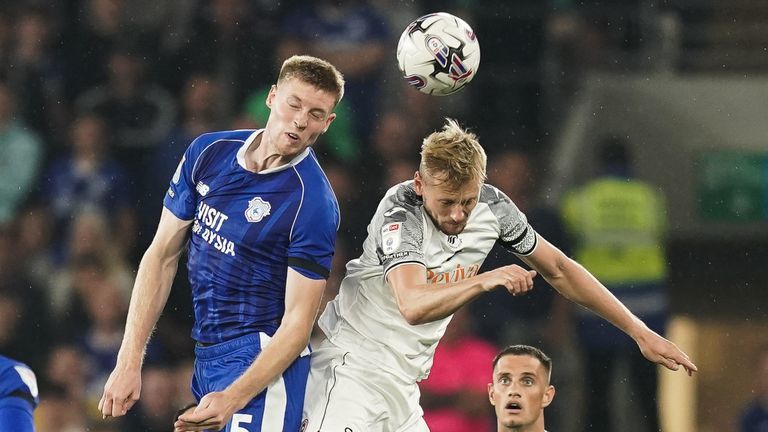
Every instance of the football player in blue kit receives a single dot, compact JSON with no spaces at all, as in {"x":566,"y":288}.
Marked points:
{"x":261,"y":219}
{"x":18,"y":396}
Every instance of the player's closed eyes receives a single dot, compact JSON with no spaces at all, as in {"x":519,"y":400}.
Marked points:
{"x":466,"y":204}
{"x":319,"y":116}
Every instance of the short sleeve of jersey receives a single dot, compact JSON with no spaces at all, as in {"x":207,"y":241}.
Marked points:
{"x":515,"y":233}
{"x":180,"y":197}
{"x":313,"y":237}
{"x":15,"y":376}
{"x":399,"y":229}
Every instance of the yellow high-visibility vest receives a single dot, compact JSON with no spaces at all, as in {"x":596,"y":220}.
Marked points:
{"x":618,"y":228}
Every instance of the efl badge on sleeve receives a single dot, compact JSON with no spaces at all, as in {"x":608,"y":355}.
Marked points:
{"x":390,"y":237}
{"x":257,"y":210}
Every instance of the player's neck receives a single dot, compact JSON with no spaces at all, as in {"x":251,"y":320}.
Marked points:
{"x":261,"y":156}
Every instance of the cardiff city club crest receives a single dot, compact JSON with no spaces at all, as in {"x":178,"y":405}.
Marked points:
{"x":257,"y":210}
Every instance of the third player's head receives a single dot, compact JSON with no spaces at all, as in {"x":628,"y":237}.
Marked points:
{"x":302,"y":103}
{"x":520,"y":389}
{"x":450,"y":175}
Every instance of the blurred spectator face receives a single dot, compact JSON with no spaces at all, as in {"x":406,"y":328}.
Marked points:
{"x":6,"y":251}
{"x":104,"y":427}
{"x":66,"y":368}
{"x":106,"y":15}
{"x":60,"y":413}
{"x":226,"y":12}
{"x":158,"y":392}
{"x":106,"y":305}
{"x":340,"y":182}
{"x":459,"y":327}
{"x":200,"y":97}
{"x":125,"y":71}
{"x":245,"y":122}
{"x":6,"y":31}
{"x":87,"y":276}
{"x":9,"y":313}
{"x":89,"y":234}
{"x":6,"y":105}
{"x":393,"y":138}
{"x":511,"y":172}
{"x":182,"y":377}
{"x":762,"y":374}
{"x":88,"y":136}
{"x":399,"y":171}
{"x":32,"y":30}
{"x":34,"y":231}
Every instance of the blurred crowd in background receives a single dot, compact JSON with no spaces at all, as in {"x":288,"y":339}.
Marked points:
{"x":99,"y":99}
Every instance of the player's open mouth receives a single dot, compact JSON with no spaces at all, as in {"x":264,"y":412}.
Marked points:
{"x":513,"y":406}
{"x":292,"y":136}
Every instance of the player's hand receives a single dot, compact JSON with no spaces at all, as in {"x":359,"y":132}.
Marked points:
{"x":514,"y":278}
{"x":212,"y":413}
{"x":662,"y":351}
{"x":121,"y":391}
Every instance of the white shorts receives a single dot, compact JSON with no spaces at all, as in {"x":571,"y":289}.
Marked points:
{"x":346,"y":393}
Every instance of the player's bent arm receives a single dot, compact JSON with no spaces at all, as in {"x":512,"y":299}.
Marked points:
{"x":152,"y":286}
{"x":302,"y":301}
{"x":420,"y":302}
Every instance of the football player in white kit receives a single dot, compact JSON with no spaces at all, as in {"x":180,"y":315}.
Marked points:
{"x":420,"y":263}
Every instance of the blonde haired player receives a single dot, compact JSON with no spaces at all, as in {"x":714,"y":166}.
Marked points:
{"x":425,"y":245}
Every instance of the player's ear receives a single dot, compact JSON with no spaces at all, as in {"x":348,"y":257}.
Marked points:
{"x":549,"y":394}
{"x":328,"y":121}
{"x":271,"y":95}
{"x":418,"y":184}
{"x":490,"y":394}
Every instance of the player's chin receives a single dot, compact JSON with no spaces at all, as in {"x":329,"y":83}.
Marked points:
{"x":292,"y":149}
{"x":453,"y":229}
{"x":512,"y":421}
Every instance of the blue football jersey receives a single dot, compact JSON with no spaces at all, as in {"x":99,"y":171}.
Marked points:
{"x":16,"y":378}
{"x":247,"y":229}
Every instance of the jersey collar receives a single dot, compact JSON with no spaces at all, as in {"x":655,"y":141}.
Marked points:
{"x":241,"y":155}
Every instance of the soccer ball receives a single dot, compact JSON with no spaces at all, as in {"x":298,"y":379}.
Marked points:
{"x":438,"y":54}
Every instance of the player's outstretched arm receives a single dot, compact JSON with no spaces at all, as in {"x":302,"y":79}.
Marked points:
{"x":302,"y":301}
{"x":421,"y":302}
{"x":150,"y":292}
{"x":575,"y":283}
{"x":664,"y":352}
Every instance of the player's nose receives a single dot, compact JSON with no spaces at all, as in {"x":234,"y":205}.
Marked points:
{"x":458,"y":214}
{"x":300,"y":121}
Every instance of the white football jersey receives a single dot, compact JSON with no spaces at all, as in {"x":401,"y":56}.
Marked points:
{"x":364,"y":317}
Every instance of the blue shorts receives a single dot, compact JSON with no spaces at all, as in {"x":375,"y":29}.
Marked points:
{"x":278,"y":408}
{"x":16,"y":414}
